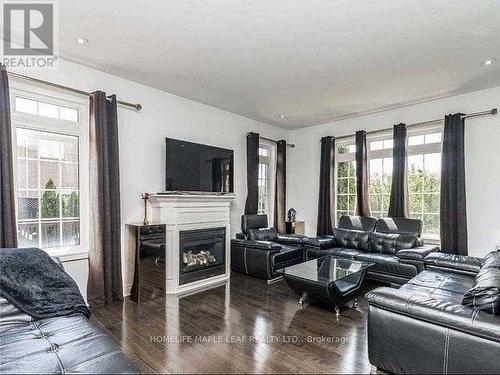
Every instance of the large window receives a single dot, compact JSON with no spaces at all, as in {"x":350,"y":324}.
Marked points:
{"x":424,"y":177}
{"x":50,"y":133}
{"x":265,"y":181}
{"x":380,"y":167}
{"x":424,"y":174}
{"x":346,"y":179}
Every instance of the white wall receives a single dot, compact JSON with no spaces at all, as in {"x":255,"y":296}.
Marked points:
{"x":482,"y":160}
{"x":142,"y":138}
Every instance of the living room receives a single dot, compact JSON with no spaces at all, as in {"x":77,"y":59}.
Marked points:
{"x":380,"y":113}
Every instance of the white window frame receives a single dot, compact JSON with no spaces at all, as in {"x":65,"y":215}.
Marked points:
{"x":45,"y":124}
{"x":270,"y":160}
{"x":340,"y":158}
{"x":430,"y":148}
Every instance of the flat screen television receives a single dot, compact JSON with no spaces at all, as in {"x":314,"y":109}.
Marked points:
{"x":194,"y":167}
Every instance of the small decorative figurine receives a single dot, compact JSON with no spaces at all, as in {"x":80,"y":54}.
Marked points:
{"x":291,"y":214}
{"x":145,"y":197}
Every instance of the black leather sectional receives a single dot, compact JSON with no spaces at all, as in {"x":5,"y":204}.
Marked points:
{"x":392,"y":244}
{"x":59,"y":345}
{"x":444,"y":320}
{"x":260,"y":251}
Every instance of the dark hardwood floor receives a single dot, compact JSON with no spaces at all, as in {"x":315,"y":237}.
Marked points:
{"x":245,"y":326}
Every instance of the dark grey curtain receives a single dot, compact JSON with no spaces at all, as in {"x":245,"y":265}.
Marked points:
{"x":280,"y":188}
{"x":326,"y":202}
{"x":453,"y":205}
{"x":362,"y":177}
{"x":251,"y":204}
{"x":8,"y":231}
{"x":398,"y":204}
{"x":105,"y":273}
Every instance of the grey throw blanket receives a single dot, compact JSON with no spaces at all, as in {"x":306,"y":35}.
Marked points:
{"x":33,"y":282}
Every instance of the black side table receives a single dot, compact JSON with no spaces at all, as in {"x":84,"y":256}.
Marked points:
{"x":150,"y":242}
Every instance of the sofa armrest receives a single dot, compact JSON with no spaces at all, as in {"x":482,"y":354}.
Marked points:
{"x":461,"y":264}
{"x":321,"y":242}
{"x":290,"y":239}
{"x":417,"y":253}
{"x":424,"y":307}
{"x":256,"y":244}
{"x":58,"y":262}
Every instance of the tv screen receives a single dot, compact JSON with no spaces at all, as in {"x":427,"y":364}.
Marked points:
{"x":198,"y":168}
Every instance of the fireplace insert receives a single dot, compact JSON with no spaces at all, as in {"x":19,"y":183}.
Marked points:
{"x":202,"y":254}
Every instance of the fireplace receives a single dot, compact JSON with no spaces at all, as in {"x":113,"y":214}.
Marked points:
{"x":202,"y":254}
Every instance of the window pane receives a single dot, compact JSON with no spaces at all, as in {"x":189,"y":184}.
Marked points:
{"x":415,"y":201}
{"x":69,"y":149}
{"x":48,"y":110}
{"x":22,"y":178}
{"x":49,"y":174}
{"x":352,"y":203}
{"x":342,"y":201}
{"x":28,"y":235}
{"x":27,"y":204}
{"x":416,"y":140}
{"x":26,"y":106}
{"x":342,"y":186}
{"x":433,"y":163}
{"x":68,"y":114}
{"x":263,"y":151}
{"x":70,"y":204}
{"x":70,"y":233}
{"x":388,"y":143}
{"x":50,"y":204}
{"x":431,"y":224}
{"x":433,"y":138}
{"x":50,"y":234}
{"x":33,"y":178}
{"x":69,"y":175}
{"x":378,"y":145}
{"x":431,"y":203}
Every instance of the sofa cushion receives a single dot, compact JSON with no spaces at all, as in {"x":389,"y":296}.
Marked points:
{"x":391,"y":243}
{"x":322,"y":242}
{"x":485,"y":293}
{"x":364,"y":223}
{"x":353,"y":239}
{"x":463,"y":264}
{"x":492,"y":260}
{"x":399,"y":225}
{"x":388,"y":264}
{"x":262,"y":234}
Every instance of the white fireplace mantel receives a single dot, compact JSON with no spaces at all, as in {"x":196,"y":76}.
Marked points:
{"x":190,"y":212}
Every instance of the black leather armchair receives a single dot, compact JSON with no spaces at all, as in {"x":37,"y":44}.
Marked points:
{"x":392,"y":244}
{"x":260,"y":251}
{"x":444,"y":320}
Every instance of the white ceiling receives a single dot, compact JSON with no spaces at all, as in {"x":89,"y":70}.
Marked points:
{"x":315,"y":60}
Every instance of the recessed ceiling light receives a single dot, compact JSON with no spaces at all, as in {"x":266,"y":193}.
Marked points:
{"x":82,"y":41}
{"x":488,"y":62}
{"x":282,"y":115}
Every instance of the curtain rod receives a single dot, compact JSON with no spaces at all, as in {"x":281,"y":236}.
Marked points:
{"x":138,"y":107}
{"x":292,"y":145}
{"x":492,"y":111}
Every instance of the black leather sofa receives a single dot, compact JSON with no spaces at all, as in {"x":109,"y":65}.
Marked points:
{"x":260,"y":251}
{"x":444,"y":320}
{"x":66,"y":344}
{"x":392,"y":244}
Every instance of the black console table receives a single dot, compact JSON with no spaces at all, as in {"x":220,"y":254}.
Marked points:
{"x":150,"y":242}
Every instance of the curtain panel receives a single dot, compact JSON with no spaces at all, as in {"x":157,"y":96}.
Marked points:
{"x":8,"y":227}
{"x":453,"y":205}
{"x":362,"y":177}
{"x":398,"y":203}
{"x":326,"y":202}
{"x":105,"y":272}
{"x":252,"y":202}
{"x":280,"y":188}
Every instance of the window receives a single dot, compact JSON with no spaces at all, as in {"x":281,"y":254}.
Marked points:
{"x":51,"y":138}
{"x":424,"y":178}
{"x":380,"y":168}
{"x":424,"y":174}
{"x":346,"y":179}
{"x":266,"y":181}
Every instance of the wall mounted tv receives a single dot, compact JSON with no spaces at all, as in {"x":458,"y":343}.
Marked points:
{"x":194,"y":167}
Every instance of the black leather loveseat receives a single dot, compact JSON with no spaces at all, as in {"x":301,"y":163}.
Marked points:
{"x":260,"y":251}
{"x":444,"y":320}
{"x":58,"y":345}
{"x":392,"y":244}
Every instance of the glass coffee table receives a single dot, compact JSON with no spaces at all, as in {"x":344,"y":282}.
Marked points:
{"x":328,"y":279}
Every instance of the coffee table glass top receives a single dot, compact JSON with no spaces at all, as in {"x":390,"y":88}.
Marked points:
{"x":327,"y":269}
